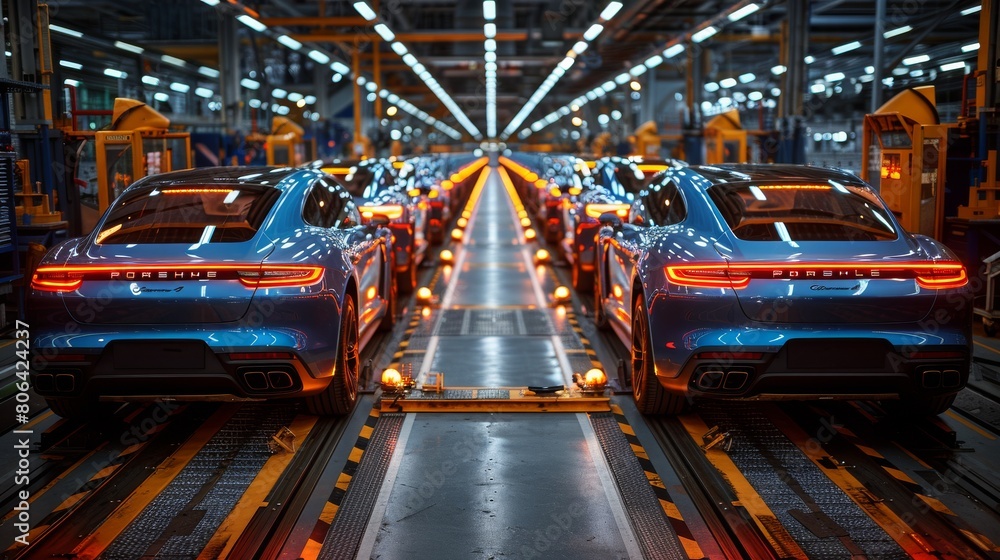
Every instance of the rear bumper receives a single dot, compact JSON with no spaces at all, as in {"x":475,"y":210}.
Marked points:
{"x":721,"y":358}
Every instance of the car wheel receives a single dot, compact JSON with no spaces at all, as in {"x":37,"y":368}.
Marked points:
{"x":600,"y":319}
{"x":650,"y":396}
{"x":389,"y":319}
{"x":342,"y":393}
{"x":922,"y":405}
{"x":582,"y":282}
{"x":79,"y":408}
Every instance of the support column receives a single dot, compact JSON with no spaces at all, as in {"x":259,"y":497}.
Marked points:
{"x":792,"y":148}
{"x":878,"y":59}
{"x":229,"y":77}
{"x":694,"y":134}
{"x":356,"y":71}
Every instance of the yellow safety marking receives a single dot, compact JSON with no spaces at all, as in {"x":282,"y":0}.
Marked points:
{"x":935,"y":504}
{"x":366,"y":432}
{"x":986,"y":346}
{"x":255,"y":496}
{"x":106,"y":471}
{"x":131,"y":507}
{"x":880,"y":513}
{"x":746,"y":494}
{"x":343,"y":481}
{"x":898,"y":474}
{"x":970,"y":425}
{"x":868,"y":450}
{"x":677,"y":523}
{"x":70,"y":501}
{"x":311,"y":549}
{"x":35,"y":421}
{"x":982,"y":541}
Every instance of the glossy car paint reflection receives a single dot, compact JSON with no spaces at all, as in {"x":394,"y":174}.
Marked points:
{"x":789,"y":301}
{"x":205,"y":310}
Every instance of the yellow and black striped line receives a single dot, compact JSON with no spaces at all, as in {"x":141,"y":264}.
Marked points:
{"x":315,"y":542}
{"x":982,"y":541}
{"x":95,"y":482}
{"x":574,"y":323}
{"x":397,"y":357}
{"x":677,"y":523}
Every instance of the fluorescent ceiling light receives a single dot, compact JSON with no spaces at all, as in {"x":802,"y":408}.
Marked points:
{"x":71,"y":82}
{"x":340,"y":68}
{"x":489,"y":10}
{"x":779,"y":69}
{"x":173,"y":60}
{"x":69,"y":64}
{"x":490,"y":30}
{"x":295,"y":96}
{"x":289,"y":42}
{"x":919,"y":59}
{"x":65,"y":31}
{"x":128,"y":47}
{"x":204,"y":92}
{"x":398,"y":48}
{"x":490,"y":44}
{"x":319,"y":56}
{"x":161,"y":97}
{"x":654,"y":61}
{"x":365,"y":10}
{"x":611,"y":10}
{"x":846,"y":48}
{"x":620,"y":79}
{"x":211,"y":2}
{"x":251,"y":23}
{"x":638,"y":70}
{"x":409,"y":60}
{"x":580,"y":47}
{"x":809,"y":59}
{"x":953,"y":66}
{"x":592,"y":33}
{"x":250,"y":84}
{"x":869,"y":69}
{"x":972,"y":10}
{"x":896,"y":32}
{"x":180,"y":87}
{"x":151,"y":80}
{"x":970,"y":47}
{"x":278,"y":93}
{"x":728,"y":83}
{"x":834,"y":77}
{"x":755,"y":96}
{"x":310,"y":99}
{"x":492,"y":57}
{"x":711,"y":87}
{"x":747,"y":78}
{"x":743,"y":12}
{"x":210,"y":72}
{"x":817,"y":88}
{"x":567,"y":63}
{"x":673,"y":50}
{"x":115,"y":73}
{"x":384,"y":32}
{"x":703,"y":34}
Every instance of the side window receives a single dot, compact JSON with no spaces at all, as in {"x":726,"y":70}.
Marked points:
{"x":664,"y":205}
{"x":329,"y":207}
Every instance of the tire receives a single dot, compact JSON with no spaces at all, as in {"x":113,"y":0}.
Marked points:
{"x":389,"y":319}
{"x":600,"y":319}
{"x":341,"y":395}
{"x":650,"y":397}
{"x":78,"y":408}
{"x":919,"y":406}
{"x":582,"y":282}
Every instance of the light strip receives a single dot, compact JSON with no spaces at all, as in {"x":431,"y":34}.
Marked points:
{"x":897,"y":32}
{"x":743,"y":12}
{"x":846,"y":48}
{"x":919,"y":59}
{"x":68,"y":64}
{"x":365,"y":10}
{"x":252,"y":23}
{"x":65,"y":31}
{"x":128,"y":47}
{"x":289,"y":42}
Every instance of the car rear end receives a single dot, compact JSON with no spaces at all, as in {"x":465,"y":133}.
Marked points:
{"x":823,"y":297}
{"x":177,"y":294}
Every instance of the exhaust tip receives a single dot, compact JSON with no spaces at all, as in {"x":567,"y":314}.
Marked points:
{"x":280,"y":379}
{"x":950,"y":378}
{"x":65,"y":382}
{"x":711,"y":379}
{"x":931,"y":379}
{"x":255,"y":380}
{"x":735,"y":380}
{"x":44,"y":383}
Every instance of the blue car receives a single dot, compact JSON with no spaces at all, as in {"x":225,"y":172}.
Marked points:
{"x":780,"y":282}
{"x":213,"y":284}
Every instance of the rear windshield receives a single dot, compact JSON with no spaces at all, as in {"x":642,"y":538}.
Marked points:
{"x":622,"y":179}
{"x":803,"y":212}
{"x":188,"y":214}
{"x":364,"y":181}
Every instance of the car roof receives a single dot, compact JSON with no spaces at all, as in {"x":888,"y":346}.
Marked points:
{"x":253,"y":175}
{"x":768,"y":172}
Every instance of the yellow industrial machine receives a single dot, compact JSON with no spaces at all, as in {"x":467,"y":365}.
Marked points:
{"x":725,"y":139}
{"x":137,"y":144}
{"x":906,"y":146}
{"x":286,"y":145}
{"x":647,"y":141}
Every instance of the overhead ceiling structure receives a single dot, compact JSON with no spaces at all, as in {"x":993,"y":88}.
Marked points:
{"x":504,"y":72}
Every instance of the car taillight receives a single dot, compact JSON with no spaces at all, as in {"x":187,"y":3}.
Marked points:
{"x":56,"y":279}
{"x":707,"y":276}
{"x":595,"y":210}
{"x":942,"y":276}
{"x":391,"y":211}
{"x":281,"y":276}
{"x":70,"y":278}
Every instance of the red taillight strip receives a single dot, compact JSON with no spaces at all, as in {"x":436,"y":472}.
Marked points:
{"x":241,"y":356}
{"x":929,"y":275}
{"x":70,"y":278}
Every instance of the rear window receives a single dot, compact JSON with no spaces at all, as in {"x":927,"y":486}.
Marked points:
{"x":622,"y":179}
{"x":803,"y":212}
{"x":188,"y":214}
{"x":363,"y":181}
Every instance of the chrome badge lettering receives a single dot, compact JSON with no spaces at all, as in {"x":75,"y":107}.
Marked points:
{"x":164,"y":275}
{"x":826,"y":274}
